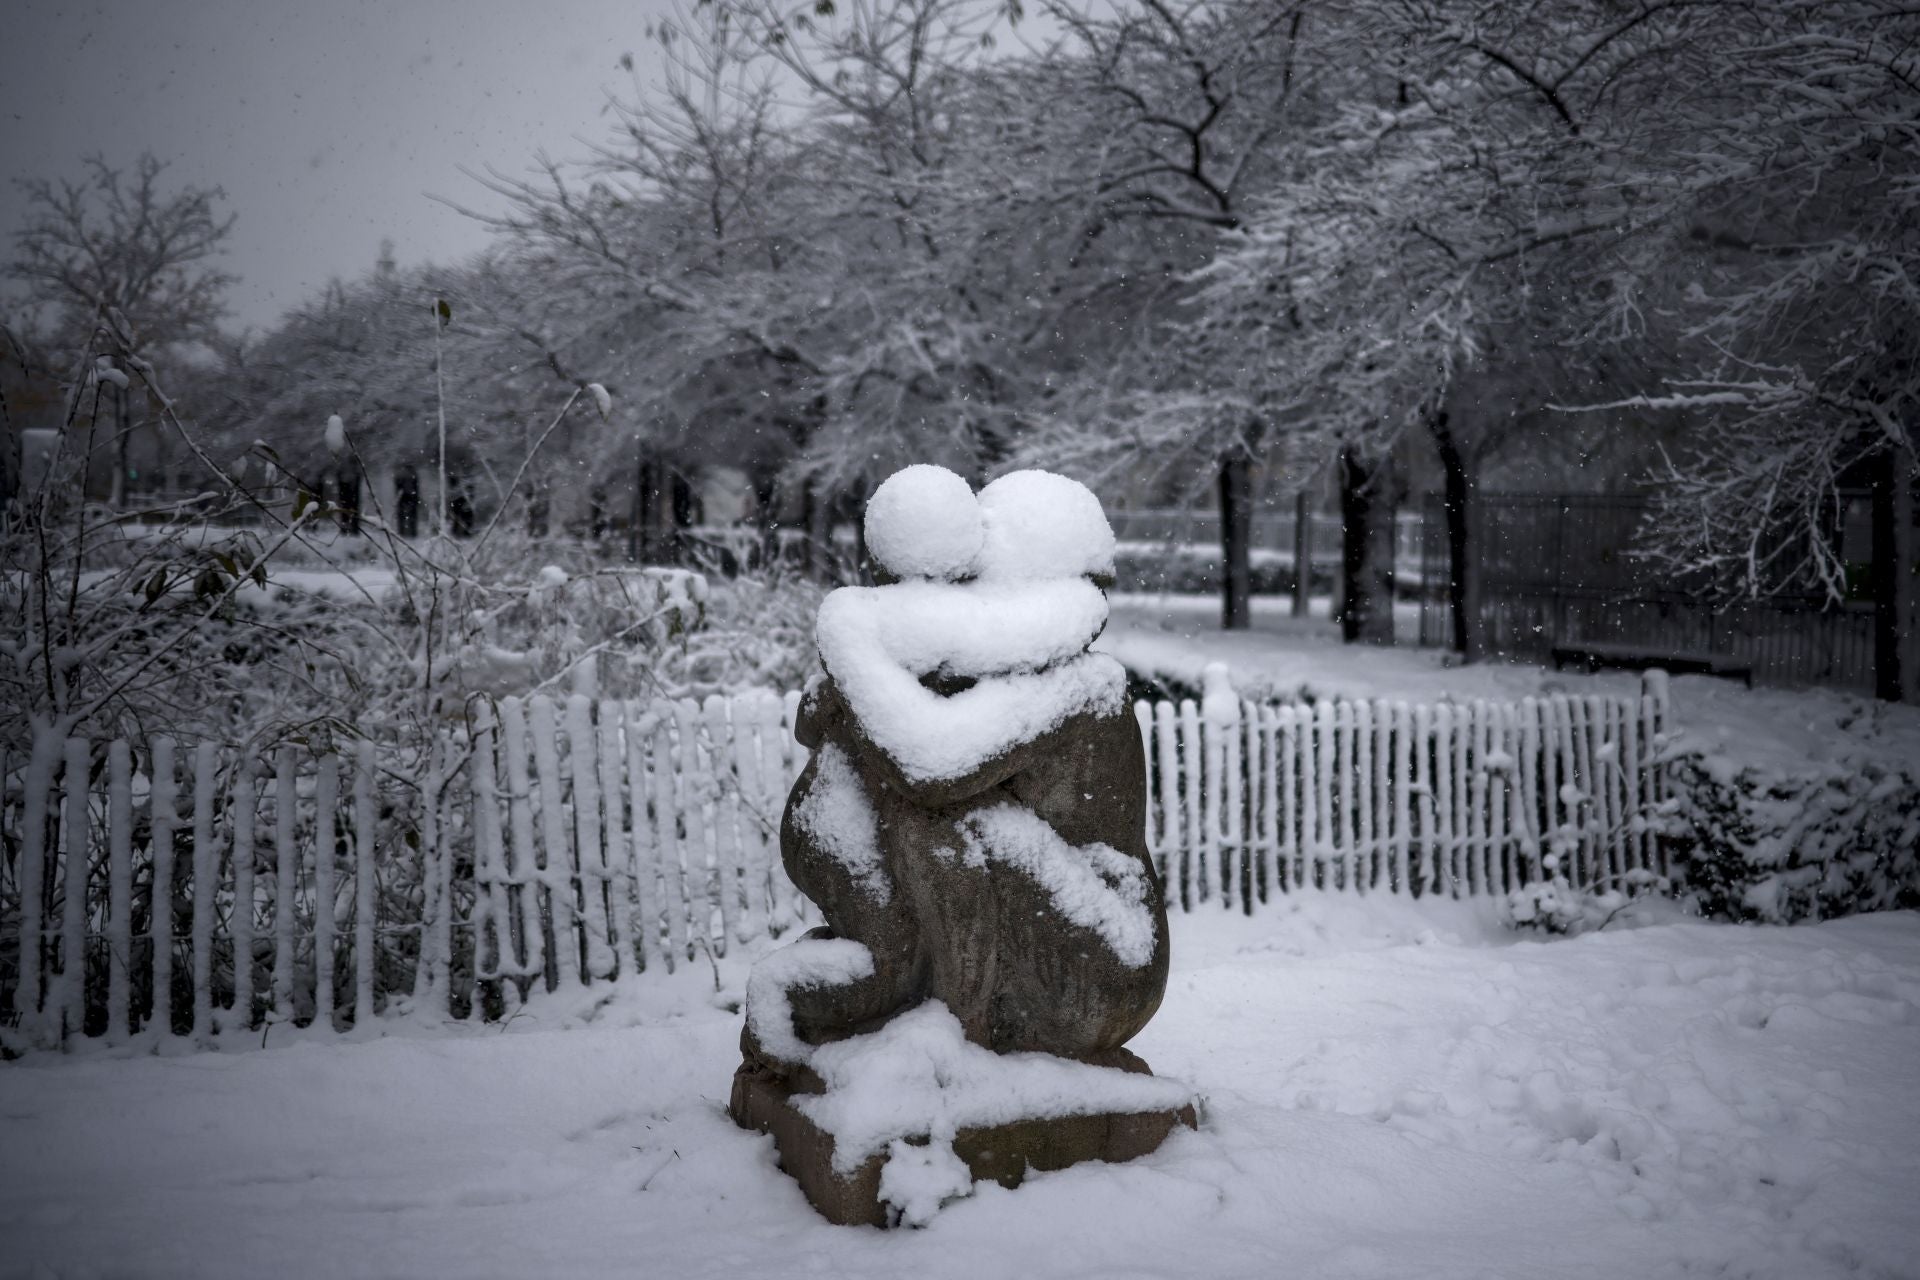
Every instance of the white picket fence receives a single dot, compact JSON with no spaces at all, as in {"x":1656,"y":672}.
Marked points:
{"x":573,"y":843}
{"x":1370,"y":796}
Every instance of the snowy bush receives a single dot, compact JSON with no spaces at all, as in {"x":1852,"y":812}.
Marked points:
{"x":756,"y":632}
{"x":1187,"y":569}
{"x":1761,"y":845}
{"x":1557,"y":906}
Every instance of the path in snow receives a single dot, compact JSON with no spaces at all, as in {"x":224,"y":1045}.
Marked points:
{"x":1395,"y":1090}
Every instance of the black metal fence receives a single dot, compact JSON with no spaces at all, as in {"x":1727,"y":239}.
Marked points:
{"x":1559,"y":569}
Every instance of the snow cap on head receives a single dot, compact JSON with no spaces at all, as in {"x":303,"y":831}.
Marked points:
{"x":1042,"y":525}
{"x":923,"y":522}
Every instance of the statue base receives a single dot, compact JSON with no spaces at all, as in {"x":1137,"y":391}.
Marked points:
{"x":1003,"y":1153}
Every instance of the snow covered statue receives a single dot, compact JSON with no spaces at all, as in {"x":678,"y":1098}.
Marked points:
{"x":972,"y":826}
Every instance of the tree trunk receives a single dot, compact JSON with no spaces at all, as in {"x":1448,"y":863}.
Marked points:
{"x":406,"y":501}
{"x":684,"y":517}
{"x":348,"y":483}
{"x":1905,"y":565}
{"x":117,"y":489}
{"x":637,"y":510}
{"x":766,"y":516}
{"x":1890,"y":541}
{"x":1236,"y":537}
{"x":1457,"y":498}
{"x":1366,"y":549}
{"x":1302,"y":553}
{"x":810,"y":506}
{"x":646,"y":511}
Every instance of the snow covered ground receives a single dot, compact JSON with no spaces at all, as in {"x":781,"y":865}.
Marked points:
{"x":1395,"y":1089}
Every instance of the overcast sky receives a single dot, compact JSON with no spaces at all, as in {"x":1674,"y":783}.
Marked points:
{"x":327,"y":122}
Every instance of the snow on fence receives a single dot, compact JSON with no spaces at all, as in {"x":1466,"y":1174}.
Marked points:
{"x":555,"y":844}
{"x":1249,"y":800}
{"x":565,"y":844}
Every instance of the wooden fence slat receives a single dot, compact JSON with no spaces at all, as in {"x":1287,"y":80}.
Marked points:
{"x":1620,"y":853}
{"x":1493,"y":747}
{"x":72,"y":996}
{"x":1633,"y":765}
{"x":769,"y":756}
{"x":1193,"y":864}
{"x":1583,"y":872}
{"x":792,"y":759}
{"x":1380,"y":785}
{"x":1342,"y":812}
{"x":588,"y":857}
{"x":1366,"y":798}
{"x":1385,"y":876}
{"x":1425,"y":870}
{"x":1232,"y":829}
{"x":556,"y":852}
{"x":244,"y":801}
{"x":1212,"y":757}
{"x":1602,"y":792}
{"x":1317,"y":767}
{"x":163,"y":815}
{"x":672,"y":895}
{"x":1506,"y":744}
{"x":1446,"y":800}
{"x":719,"y":753}
{"x":1598,"y":750}
{"x":365,"y":908}
{"x":528,"y":892}
{"x":1143,"y":716}
{"x":432,"y":968}
{"x":1566,"y":795}
{"x":1655,"y":710}
{"x":698,"y":872}
{"x":1471,"y":761}
{"x":1292,"y":839}
{"x":493,"y":956}
{"x":616,"y":890}
{"x":119,"y":930}
{"x":1402,"y":730}
{"x":326,"y":798}
{"x":643,"y":920}
{"x":35,"y":851}
{"x":1270,"y":816}
{"x":285,"y":882}
{"x":1166,"y":746}
{"x":1528,"y":822}
{"x":1552,"y":777}
{"x":206,"y":870}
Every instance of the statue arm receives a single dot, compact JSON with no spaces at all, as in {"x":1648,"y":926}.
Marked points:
{"x":935,"y":793}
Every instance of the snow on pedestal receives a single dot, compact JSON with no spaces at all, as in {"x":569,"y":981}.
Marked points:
{"x":972,"y":826}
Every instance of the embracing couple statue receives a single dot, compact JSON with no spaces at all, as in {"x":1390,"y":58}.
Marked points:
{"x":972,"y":826}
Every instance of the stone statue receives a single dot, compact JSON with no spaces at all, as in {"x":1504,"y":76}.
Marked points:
{"x":972,"y":826}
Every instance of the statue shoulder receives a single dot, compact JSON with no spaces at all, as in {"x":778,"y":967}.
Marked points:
{"x":821,"y":711}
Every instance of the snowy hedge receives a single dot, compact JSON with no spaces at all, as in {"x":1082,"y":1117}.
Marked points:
{"x":1190,"y":569}
{"x":1762,"y":845}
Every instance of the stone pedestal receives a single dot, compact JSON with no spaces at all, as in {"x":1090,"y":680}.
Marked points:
{"x":1003,"y":1153}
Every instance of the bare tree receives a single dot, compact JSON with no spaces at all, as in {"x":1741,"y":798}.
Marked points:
{"x":1186,"y":102}
{"x":1798,"y":234}
{"x":1461,"y":211}
{"x":119,"y":247}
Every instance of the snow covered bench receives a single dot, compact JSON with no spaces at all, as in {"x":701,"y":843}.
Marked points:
{"x":1593,"y":655}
